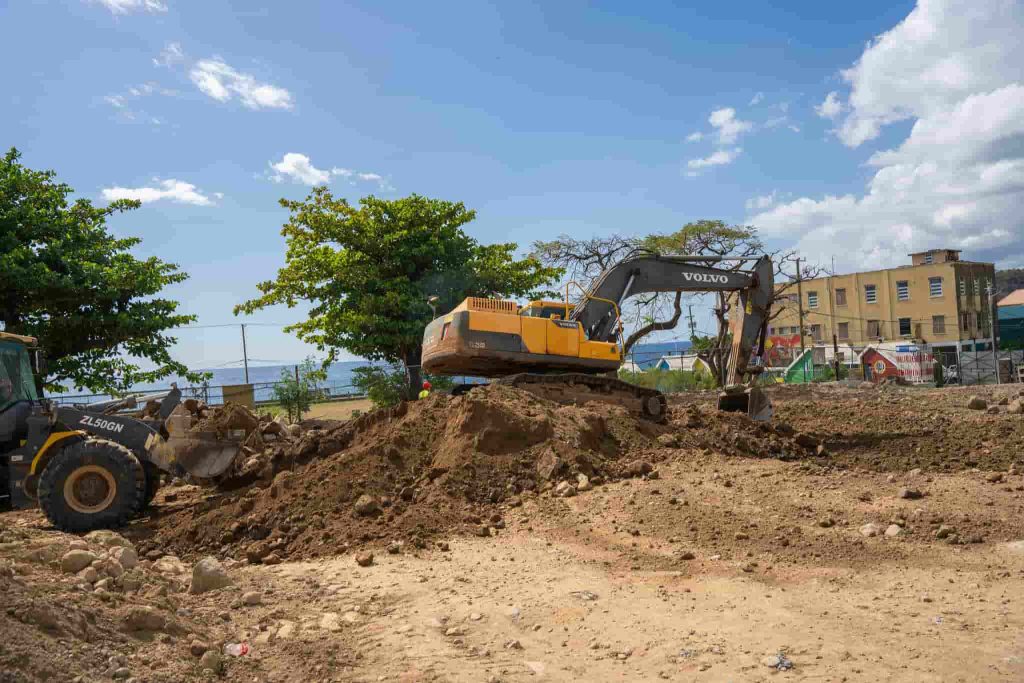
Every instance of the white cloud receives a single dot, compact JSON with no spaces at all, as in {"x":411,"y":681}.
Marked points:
{"x":831,"y":107}
{"x":171,"y":54}
{"x":757,"y":99}
{"x":727,"y":126}
{"x":177,"y":191}
{"x":719,"y":158}
{"x":222,"y":82}
{"x":298,"y":168}
{"x":129,"y":6}
{"x":957,"y":179}
{"x":942,"y":52}
{"x":695,"y":136}
{"x":762,"y":202}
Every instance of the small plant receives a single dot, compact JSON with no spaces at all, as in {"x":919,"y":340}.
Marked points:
{"x":297,"y":390}
{"x":385,"y":386}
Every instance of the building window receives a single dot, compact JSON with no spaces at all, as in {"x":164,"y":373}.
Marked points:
{"x":935,"y":286}
{"x":812,"y":299}
{"x":929,"y":259}
{"x":844,"y":330}
{"x":963,"y":287}
{"x":870,"y":294}
{"x":903,"y":290}
{"x":874,"y":328}
{"x":976,"y":290}
{"x":771,"y":330}
{"x":938,"y":324}
{"x":840,"y":297}
{"x":904,"y":327}
{"x":816,"y":332}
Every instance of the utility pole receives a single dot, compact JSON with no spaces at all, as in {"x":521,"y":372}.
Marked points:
{"x":693,"y":324}
{"x":800,"y":311}
{"x":245,"y":355}
{"x":992,"y":331}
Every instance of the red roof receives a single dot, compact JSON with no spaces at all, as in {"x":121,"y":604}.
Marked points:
{"x":1012,"y":299}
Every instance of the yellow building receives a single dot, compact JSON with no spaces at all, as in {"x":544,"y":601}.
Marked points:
{"x":938,"y":301}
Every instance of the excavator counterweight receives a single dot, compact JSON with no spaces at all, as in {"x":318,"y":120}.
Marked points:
{"x":567,"y":351}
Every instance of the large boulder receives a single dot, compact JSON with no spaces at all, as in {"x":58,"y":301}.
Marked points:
{"x":125,"y":556}
{"x":977,"y":403}
{"x":208,"y":575}
{"x":144,"y":619}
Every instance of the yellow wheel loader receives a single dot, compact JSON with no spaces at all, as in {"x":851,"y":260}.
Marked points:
{"x":86,"y":466}
{"x":570,"y":352}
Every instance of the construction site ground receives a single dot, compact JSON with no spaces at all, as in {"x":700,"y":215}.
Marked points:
{"x":868,"y":535}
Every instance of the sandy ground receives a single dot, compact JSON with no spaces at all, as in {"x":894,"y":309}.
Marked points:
{"x":338,"y":410}
{"x":719,"y":568}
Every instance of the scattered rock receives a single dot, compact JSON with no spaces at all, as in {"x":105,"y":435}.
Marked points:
{"x":75,"y":561}
{"x":779,"y":662}
{"x":871,"y":529}
{"x":992,"y":410}
{"x":826,"y":522}
{"x":125,"y":556}
{"x":565,"y":489}
{"x":144,"y":619}
{"x":107,"y":539}
{"x":252,"y":598}
{"x":208,"y":575}
{"x":583,"y":482}
{"x":211,"y":661}
{"x":366,"y":505}
{"x":977,"y":403}
{"x":1015,"y":407}
{"x":894,"y":530}
{"x":364,"y":559}
{"x":943,"y":531}
{"x":910,"y":494}
{"x":994,"y":477}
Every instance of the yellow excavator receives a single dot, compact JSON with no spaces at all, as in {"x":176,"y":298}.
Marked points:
{"x":571,"y":352}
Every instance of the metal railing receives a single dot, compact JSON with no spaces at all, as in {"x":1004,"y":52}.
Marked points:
{"x":263,"y":392}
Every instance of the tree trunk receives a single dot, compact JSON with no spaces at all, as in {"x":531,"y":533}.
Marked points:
{"x":413,"y":376}
{"x":656,"y":326}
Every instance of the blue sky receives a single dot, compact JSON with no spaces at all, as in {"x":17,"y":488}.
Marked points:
{"x":544,"y":117}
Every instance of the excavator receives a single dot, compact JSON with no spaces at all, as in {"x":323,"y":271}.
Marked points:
{"x":89,"y":467}
{"x":571,"y":352}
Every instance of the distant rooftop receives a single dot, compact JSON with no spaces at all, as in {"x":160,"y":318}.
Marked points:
{"x":1015,"y":298}
{"x":922,"y":258}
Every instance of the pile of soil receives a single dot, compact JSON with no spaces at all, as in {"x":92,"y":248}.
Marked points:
{"x":443,"y":464}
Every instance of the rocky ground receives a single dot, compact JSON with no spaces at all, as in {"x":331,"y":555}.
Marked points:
{"x":868,"y":534}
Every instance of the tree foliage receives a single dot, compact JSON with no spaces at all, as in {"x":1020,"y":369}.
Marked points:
{"x":368,"y":272}
{"x":65,"y":279}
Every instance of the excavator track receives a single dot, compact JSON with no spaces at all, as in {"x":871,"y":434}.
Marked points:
{"x":577,"y":388}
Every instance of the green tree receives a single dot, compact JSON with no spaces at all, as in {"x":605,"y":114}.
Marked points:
{"x":297,"y":390}
{"x":368,"y":272}
{"x":65,"y":279}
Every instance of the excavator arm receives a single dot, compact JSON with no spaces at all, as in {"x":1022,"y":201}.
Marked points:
{"x":748,"y":315}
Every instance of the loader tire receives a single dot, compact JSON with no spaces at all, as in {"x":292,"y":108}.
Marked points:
{"x":153,"y":474}
{"x":92,"y":484}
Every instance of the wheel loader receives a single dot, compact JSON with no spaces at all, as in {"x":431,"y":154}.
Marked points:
{"x":86,"y":466}
{"x":571,"y":352}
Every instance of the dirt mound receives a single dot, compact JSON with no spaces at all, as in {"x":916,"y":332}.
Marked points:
{"x":409,"y":473}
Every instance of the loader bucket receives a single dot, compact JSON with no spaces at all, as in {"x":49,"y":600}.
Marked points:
{"x":749,"y":400}
{"x":205,"y":455}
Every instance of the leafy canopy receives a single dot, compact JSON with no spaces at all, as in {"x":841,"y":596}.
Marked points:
{"x":368,"y":272}
{"x":65,"y":279}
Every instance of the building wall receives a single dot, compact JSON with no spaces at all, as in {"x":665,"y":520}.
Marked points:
{"x":888,"y":309}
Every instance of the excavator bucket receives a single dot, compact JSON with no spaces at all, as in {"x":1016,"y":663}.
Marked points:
{"x":749,"y":400}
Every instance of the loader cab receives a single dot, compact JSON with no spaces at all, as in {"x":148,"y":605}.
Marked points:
{"x":17,"y":386}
